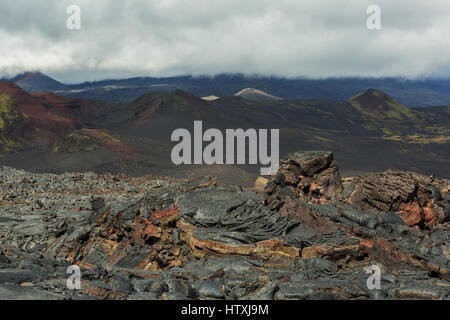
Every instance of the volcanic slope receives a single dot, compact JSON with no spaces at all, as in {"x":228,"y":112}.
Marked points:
{"x":33,"y":120}
{"x":37,"y":82}
{"x":44,"y":132}
{"x":369,"y":132}
{"x":157,"y":114}
{"x":256,"y":95}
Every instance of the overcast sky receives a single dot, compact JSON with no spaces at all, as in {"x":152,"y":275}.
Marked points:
{"x":309,"y":38}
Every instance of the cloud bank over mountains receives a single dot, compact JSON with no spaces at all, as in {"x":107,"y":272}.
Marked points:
{"x":309,"y":38}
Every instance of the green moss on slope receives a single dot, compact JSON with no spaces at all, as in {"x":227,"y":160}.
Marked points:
{"x":77,"y":142}
{"x":376,"y":104}
{"x":8,"y":145}
{"x":7,"y":113}
{"x":7,"y":118}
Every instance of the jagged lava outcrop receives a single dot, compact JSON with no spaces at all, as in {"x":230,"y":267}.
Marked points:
{"x":304,"y":233}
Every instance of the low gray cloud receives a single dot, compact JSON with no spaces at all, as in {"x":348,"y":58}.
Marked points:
{"x":309,"y":38}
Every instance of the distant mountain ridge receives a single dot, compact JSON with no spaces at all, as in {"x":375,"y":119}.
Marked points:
{"x":257,"y":95}
{"x":370,"y":131}
{"x":36,"y":82}
{"x":411,"y":93}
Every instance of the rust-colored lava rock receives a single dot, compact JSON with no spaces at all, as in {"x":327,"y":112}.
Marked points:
{"x":415,"y":199}
{"x":311,"y":175}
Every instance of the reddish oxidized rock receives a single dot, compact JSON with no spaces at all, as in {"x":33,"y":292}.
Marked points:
{"x":311,"y":175}
{"x":399,"y":191}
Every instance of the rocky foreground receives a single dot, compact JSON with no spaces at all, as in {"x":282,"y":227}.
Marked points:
{"x":305,"y":233}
